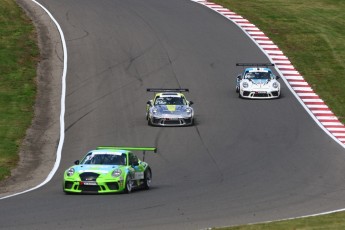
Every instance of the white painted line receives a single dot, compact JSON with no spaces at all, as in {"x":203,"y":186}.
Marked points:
{"x":236,"y":16}
{"x":245,"y":24}
{"x":315,"y":106}
{"x":287,"y":66}
{"x":299,"y":77}
{"x":273,"y":52}
{"x":327,"y":118}
{"x":255,"y":33}
{"x":269,"y":47}
{"x":283,"y":62}
{"x":266,"y":42}
{"x":240,"y":20}
{"x":322,"y":113}
{"x":62,"y":113}
{"x":339,"y":134}
{"x":336,"y":129}
{"x":312,"y":100}
{"x":303,"y":89}
{"x":332,"y":124}
{"x":278,"y":58}
{"x":307,"y":94}
{"x":298,"y":83}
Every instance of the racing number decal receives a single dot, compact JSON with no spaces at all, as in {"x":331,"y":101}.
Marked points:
{"x":138,"y":175}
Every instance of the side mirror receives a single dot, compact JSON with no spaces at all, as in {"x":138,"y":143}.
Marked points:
{"x":76,"y":162}
{"x":191,"y":102}
{"x":239,"y":77}
{"x":277,"y":77}
{"x":149,"y":103}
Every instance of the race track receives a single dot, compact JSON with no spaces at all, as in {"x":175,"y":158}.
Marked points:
{"x":244,"y":161}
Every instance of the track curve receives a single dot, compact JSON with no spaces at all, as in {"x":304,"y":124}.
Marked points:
{"x":244,"y":161}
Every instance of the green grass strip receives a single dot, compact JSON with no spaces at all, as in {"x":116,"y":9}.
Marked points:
{"x":333,"y":221}
{"x":18,"y":60}
{"x":311,"y":34}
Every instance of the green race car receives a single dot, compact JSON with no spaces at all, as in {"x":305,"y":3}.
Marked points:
{"x":109,"y":169}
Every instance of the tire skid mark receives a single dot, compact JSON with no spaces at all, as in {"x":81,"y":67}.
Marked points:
{"x":209,"y":154}
{"x":295,"y":82}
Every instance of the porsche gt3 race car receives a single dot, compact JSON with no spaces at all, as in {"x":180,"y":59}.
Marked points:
{"x":257,"y":82}
{"x":109,"y":170}
{"x":169,"y":107}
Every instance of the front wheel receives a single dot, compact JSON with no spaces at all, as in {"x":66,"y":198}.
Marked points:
{"x":128,"y":186}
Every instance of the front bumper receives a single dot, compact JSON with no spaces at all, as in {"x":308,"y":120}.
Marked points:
{"x":171,"y":121}
{"x":93,"y":187}
{"x":254,"y":94}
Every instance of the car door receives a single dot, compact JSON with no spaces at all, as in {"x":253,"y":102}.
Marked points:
{"x":136,"y":169}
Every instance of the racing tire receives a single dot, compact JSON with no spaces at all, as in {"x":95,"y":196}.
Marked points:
{"x":149,"y":122}
{"x":192,"y":123}
{"x":128,"y":186}
{"x":147,"y":179}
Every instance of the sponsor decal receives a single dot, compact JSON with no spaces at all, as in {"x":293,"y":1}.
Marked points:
{"x":88,"y":183}
{"x":171,"y":108}
{"x":138,"y":175}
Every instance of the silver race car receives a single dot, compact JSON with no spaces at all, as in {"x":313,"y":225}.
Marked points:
{"x":169,"y":107}
{"x":257,"y":82}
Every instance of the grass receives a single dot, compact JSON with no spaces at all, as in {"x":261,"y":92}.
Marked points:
{"x":18,"y":59}
{"x":311,"y":34}
{"x":333,"y":221}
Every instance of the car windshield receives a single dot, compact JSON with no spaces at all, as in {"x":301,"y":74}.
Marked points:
{"x":104,"y":159}
{"x":258,"y":75}
{"x":170,"y":101}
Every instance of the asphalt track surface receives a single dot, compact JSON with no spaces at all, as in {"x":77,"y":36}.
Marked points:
{"x":244,"y":161}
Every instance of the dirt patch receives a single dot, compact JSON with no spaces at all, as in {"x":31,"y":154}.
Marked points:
{"x":38,"y":150}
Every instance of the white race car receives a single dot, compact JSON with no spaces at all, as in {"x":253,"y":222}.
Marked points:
{"x":257,"y":82}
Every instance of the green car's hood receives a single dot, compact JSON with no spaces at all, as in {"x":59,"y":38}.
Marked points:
{"x":101,"y":169}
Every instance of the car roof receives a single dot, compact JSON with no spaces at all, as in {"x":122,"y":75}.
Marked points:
{"x":267,"y":70}
{"x":109,"y":151}
{"x":169,"y":95}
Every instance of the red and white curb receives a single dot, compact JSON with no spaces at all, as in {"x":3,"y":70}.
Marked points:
{"x":312,"y":103}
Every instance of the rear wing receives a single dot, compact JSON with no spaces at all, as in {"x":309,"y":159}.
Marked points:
{"x":144,"y":149}
{"x":255,"y":64}
{"x":159,"y":90}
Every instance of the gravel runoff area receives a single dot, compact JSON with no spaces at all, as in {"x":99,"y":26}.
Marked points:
{"x":38,"y":149}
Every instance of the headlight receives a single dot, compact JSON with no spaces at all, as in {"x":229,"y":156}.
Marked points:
{"x":245,"y":84}
{"x":275,"y":85}
{"x":116,"y":173}
{"x":70,"y":171}
{"x":188,"y":110}
{"x":154,"y":111}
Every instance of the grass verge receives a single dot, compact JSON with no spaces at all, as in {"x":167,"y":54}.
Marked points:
{"x":333,"y":221}
{"x":18,"y":60}
{"x":311,"y":34}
